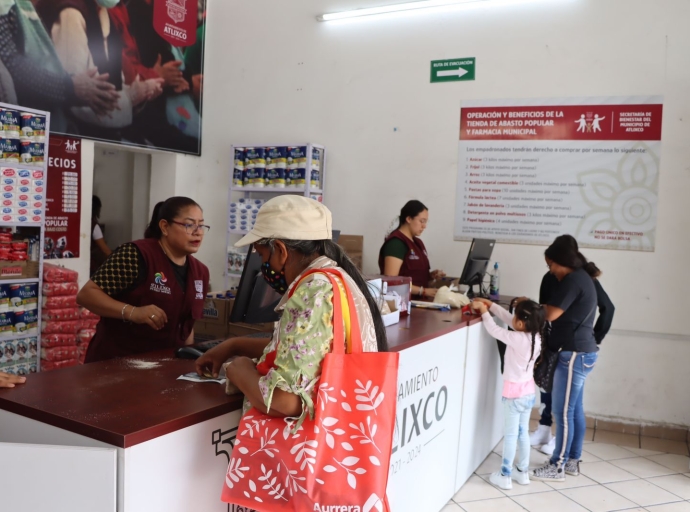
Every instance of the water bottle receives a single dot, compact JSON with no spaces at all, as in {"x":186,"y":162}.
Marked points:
{"x":494,"y":284}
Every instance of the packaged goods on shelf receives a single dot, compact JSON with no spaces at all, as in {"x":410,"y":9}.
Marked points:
{"x":89,"y":323}
{"x":60,"y":314}
{"x":23,"y":297}
{"x":59,"y":301}
{"x":58,"y":340}
{"x":59,"y":353}
{"x":239,"y":170}
{"x":55,"y":274}
{"x":297,"y":167}
{"x":60,"y":289}
{"x":26,"y":322}
{"x":86,"y":314}
{"x":19,"y":350}
{"x":47,"y":366}
{"x":276,"y":167}
{"x":58,"y":327}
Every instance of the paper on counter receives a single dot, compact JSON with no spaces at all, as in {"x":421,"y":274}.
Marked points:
{"x":194,"y":377}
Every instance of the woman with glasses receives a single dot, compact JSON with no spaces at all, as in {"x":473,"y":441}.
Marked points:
{"x":404,"y":254}
{"x":150,"y":292}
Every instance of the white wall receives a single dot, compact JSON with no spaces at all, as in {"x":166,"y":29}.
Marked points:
{"x":113,"y":182}
{"x":362,"y":89}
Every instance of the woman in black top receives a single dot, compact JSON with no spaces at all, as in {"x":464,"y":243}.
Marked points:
{"x":571,"y":311}
{"x":549,"y":284}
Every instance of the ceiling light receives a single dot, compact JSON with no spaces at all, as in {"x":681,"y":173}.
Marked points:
{"x":385,"y":9}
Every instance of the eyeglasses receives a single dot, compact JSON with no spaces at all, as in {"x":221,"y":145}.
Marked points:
{"x":193,"y":228}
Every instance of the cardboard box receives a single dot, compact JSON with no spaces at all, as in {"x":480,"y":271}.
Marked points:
{"x":217,"y":311}
{"x":211,"y":330}
{"x":241,"y":329}
{"x":353,"y":245}
{"x":18,"y":269}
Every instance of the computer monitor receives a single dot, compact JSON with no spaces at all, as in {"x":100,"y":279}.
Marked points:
{"x":255,"y":301}
{"x":476,"y":265}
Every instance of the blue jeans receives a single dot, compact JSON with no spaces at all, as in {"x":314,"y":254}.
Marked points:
{"x":516,"y":414}
{"x":568,"y":411}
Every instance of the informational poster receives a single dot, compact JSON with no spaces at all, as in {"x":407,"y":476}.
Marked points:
{"x":531,"y":170}
{"x":141,"y":86}
{"x":63,"y":197}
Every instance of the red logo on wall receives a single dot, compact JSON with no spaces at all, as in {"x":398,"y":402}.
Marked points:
{"x":174,"y":22}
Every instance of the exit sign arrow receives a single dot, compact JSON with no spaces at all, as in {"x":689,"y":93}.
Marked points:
{"x":456,"y":72}
{"x":453,"y":70}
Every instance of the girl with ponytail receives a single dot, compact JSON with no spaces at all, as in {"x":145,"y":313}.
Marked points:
{"x":524,"y":345}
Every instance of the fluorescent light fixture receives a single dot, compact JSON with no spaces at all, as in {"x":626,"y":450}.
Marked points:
{"x":385,"y":9}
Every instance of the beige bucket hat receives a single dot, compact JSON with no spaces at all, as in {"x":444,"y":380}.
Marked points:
{"x":290,"y":218}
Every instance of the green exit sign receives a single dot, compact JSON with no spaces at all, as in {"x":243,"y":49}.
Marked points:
{"x":453,"y":70}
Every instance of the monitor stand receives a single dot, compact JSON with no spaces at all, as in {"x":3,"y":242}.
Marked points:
{"x":476,"y":281}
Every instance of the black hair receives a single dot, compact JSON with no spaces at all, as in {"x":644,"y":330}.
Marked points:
{"x":411,"y":209}
{"x":533,"y":315}
{"x":167,"y":210}
{"x":565,"y":251}
{"x":96,"y":206}
{"x":333,"y":251}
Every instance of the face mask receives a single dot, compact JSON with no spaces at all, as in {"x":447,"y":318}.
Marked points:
{"x":275,"y":280}
{"x":107,"y":4}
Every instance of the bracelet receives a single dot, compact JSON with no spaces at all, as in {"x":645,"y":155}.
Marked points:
{"x":130,"y":314}
{"x":421,"y":291}
{"x":122,"y":313}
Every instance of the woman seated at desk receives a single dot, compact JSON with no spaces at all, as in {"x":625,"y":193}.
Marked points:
{"x":404,"y":254}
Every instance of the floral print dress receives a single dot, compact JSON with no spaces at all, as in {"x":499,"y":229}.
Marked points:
{"x":304,"y":335}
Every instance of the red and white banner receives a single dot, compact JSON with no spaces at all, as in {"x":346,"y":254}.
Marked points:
{"x":580,"y":122}
{"x":530,"y":170}
{"x":63,"y":199}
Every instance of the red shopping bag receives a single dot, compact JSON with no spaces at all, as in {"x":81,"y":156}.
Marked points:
{"x":338,"y":460}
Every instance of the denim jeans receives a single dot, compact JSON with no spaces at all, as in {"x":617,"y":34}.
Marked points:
{"x":516,"y":414}
{"x":568,"y":411}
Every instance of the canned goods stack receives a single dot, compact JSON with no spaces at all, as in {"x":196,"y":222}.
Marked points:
{"x":22,"y":137}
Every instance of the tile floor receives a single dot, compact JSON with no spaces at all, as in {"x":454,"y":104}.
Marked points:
{"x":614,"y":477}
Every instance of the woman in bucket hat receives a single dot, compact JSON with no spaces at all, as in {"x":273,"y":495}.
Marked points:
{"x":292,"y":234}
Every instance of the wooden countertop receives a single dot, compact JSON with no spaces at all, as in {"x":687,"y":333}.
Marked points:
{"x":125,"y":402}
{"x":122,"y":402}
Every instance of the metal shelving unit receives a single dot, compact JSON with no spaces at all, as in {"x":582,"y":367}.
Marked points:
{"x":40,"y":226}
{"x":265,"y":193}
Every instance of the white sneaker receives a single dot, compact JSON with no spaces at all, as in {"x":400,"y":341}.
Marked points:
{"x":500,"y":481}
{"x":541,"y":436}
{"x":549,"y":447}
{"x":520,"y":477}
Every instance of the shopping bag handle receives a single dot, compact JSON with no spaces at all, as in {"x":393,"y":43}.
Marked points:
{"x":340,"y":315}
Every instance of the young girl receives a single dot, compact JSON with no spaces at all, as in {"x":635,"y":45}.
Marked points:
{"x":524,"y":346}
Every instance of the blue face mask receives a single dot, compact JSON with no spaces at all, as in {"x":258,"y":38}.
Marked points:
{"x":275,"y":280}
{"x":107,"y":4}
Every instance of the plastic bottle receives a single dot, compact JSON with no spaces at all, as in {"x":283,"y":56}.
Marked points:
{"x":495,"y":283}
